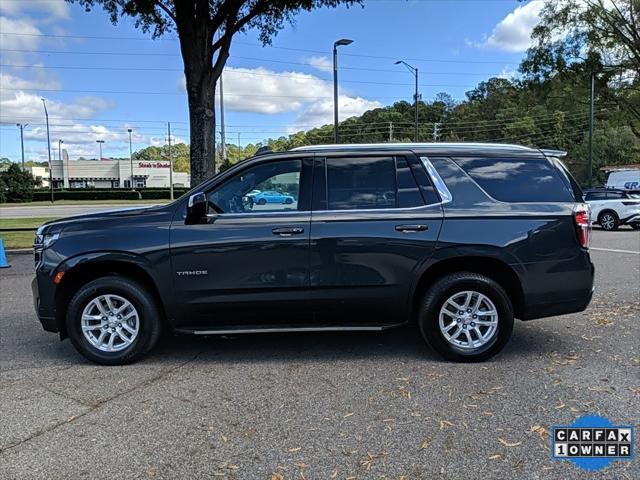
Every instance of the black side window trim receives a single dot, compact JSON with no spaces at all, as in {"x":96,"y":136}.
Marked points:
{"x":320,"y":182}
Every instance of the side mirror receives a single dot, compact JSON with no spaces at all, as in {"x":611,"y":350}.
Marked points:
{"x":196,"y":209}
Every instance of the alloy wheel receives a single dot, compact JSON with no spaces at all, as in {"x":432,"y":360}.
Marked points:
{"x":608,"y":221}
{"x":110,"y":323}
{"x":468,"y":320}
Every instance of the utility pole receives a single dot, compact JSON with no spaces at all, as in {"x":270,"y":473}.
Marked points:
{"x":130,"y":160}
{"x":336,"y":44}
{"x":591,"y":100}
{"x":390,"y":132}
{"x":22,"y":127}
{"x":223,"y":142}
{"x":100,"y":142}
{"x":46,"y":114}
{"x":416,"y":95}
{"x":170,"y":164}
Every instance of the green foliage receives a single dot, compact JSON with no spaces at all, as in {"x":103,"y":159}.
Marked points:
{"x":578,"y":38}
{"x":103,"y":194}
{"x":16,"y":185}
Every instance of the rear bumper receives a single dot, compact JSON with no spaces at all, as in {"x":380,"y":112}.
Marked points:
{"x":558,"y":289}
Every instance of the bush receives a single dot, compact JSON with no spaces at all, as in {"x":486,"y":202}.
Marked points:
{"x":16,"y":185}
{"x":112,"y":194}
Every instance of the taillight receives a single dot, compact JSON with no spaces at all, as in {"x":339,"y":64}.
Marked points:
{"x":581,"y":215}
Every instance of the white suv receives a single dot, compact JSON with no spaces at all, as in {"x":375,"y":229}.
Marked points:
{"x":611,"y":208}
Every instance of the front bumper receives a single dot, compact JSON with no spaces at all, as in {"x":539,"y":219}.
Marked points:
{"x":44,"y":302}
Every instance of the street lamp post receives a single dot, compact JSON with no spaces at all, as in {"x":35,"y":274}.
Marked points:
{"x":22,"y":127}
{"x":130,"y":159}
{"x":591,"y":100}
{"x":100,"y":142}
{"x":336,"y":44}
{"x":46,"y":114}
{"x":416,"y":96}
{"x":592,"y":91}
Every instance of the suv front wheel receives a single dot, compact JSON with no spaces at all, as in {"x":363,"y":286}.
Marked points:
{"x":466,"y":317}
{"x":113,"y":321}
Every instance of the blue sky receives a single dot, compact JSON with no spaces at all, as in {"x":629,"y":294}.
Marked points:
{"x":269,"y":91}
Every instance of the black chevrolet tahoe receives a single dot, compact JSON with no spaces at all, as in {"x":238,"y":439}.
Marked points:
{"x":458,"y":238}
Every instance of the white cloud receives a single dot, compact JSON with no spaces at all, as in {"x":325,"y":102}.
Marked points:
{"x":260,"y":90}
{"x":320,"y":63}
{"x":22,"y":106}
{"x":28,"y":41}
{"x":270,"y":92}
{"x":508,"y":73}
{"x":513,"y":33}
{"x":321,"y":112}
{"x":50,"y":8}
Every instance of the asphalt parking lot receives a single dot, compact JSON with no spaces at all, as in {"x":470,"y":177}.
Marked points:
{"x":321,"y":406}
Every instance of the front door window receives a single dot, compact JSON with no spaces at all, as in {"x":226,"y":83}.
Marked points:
{"x":269,"y":187}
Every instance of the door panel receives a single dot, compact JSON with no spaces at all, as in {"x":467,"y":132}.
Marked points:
{"x":362,"y":267}
{"x":249,"y":264}
{"x":364,"y":260}
{"x":256,"y":268}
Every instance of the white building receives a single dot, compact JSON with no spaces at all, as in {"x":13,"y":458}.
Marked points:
{"x":114,"y":174}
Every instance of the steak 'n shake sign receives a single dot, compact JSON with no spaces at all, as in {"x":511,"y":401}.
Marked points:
{"x":153,"y":165}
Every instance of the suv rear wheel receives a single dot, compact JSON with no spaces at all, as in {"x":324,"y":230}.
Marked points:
{"x":609,"y":220}
{"x":113,"y":321}
{"x":466,"y":317}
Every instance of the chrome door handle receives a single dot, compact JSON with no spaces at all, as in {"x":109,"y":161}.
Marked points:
{"x":411,"y":228}
{"x":287,"y":231}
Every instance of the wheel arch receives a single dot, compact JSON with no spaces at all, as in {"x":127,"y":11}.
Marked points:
{"x":494,"y":268}
{"x":607,"y":210}
{"x":79,"y":272}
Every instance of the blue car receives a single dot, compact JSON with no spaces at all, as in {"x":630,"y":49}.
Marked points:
{"x":263,"y":198}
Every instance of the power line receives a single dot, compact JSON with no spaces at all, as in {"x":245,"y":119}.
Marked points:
{"x":236,"y":72}
{"x":323,"y":52}
{"x":130,"y":92}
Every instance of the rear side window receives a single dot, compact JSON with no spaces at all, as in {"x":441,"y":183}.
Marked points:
{"x":517,"y":180}
{"x":595,"y":196}
{"x":361,"y":183}
{"x":616,"y":195}
{"x":408,"y":191}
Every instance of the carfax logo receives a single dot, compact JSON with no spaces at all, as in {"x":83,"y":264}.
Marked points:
{"x":592,"y":442}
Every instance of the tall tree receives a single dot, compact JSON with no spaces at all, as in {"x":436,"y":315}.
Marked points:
{"x":205,"y":30}
{"x":604,"y":34}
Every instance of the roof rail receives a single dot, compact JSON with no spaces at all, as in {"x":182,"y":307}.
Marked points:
{"x":553,"y":153}
{"x":264,"y":150}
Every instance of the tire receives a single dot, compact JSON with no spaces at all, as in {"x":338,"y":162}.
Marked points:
{"x":288,"y":201}
{"x":609,"y":220}
{"x":456,"y":286}
{"x":90,"y":301}
{"x":262,"y":201}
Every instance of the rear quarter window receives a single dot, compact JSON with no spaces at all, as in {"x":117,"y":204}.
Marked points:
{"x":517,"y":179}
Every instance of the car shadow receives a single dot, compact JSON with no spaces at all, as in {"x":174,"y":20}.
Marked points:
{"x":403,"y":343}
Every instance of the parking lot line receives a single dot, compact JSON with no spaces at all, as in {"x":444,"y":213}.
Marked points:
{"x":632,"y":252}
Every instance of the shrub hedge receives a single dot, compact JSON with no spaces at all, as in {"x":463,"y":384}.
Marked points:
{"x":103,"y":194}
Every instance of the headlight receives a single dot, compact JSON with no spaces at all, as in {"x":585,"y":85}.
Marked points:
{"x":43,"y":241}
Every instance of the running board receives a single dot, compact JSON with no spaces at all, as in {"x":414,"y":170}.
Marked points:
{"x":337,"y":328}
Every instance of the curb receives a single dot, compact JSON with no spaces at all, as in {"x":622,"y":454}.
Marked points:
{"x":20,"y":251}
